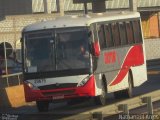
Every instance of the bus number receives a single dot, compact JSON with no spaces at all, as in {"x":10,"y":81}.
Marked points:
{"x":110,"y":57}
{"x":39,"y":81}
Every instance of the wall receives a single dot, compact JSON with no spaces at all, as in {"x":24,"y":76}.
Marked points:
{"x":151,"y":32}
{"x":11,"y":31}
{"x":16,"y":7}
{"x":150,"y":24}
{"x":12,"y":26}
{"x":152,"y":47}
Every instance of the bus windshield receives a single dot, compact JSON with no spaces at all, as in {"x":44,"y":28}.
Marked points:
{"x":57,"y":50}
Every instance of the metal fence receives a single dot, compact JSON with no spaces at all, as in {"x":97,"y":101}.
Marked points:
{"x":11,"y":80}
{"x":38,"y":6}
{"x":120,"y":108}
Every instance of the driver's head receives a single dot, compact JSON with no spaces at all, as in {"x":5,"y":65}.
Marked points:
{"x":82,"y":49}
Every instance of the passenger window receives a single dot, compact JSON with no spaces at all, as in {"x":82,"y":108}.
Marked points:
{"x":123,"y":34}
{"x":129,"y":33}
{"x":108,"y":34}
{"x":137,"y":31}
{"x":115,"y":34}
{"x":101,"y":36}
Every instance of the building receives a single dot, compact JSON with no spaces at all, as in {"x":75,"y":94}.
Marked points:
{"x":19,"y":13}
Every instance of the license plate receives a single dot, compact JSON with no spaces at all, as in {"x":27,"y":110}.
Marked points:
{"x":58,"y":97}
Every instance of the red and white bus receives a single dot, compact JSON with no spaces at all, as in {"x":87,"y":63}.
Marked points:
{"x":56,"y":67}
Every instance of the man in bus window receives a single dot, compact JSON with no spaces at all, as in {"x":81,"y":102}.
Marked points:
{"x":84,"y":53}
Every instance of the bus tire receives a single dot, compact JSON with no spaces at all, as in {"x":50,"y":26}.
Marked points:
{"x":127,"y":93}
{"x":42,"y":106}
{"x":101,"y":99}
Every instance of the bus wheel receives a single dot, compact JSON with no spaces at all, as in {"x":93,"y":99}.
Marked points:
{"x":128,"y":92}
{"x":101,"y":99}
{"x":125,"y":93}
{"x":42,"y":106}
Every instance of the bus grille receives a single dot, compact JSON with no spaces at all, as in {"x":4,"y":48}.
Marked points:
{"x":59,"y":93}
{"x":58,"y":86}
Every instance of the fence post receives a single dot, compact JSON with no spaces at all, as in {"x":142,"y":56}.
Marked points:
{"x":133,"y":5}
{"x":148,"y":101}
{"x":6,"y":62}
{"x":47,"y":6}
{"x":97,"y":115}
{"x":124,"y":108}
{"x":19,"y":81}
{"x":60,"y":7}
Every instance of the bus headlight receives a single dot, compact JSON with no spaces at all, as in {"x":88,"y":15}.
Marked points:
{"x":30,"y":85}
{"x":83,"y":82}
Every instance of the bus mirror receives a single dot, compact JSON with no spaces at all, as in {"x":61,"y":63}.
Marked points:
{"x":96,"y":49}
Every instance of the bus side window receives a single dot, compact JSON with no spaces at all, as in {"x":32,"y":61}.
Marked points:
{"x":101,"y":36}
{"x":123,"y":34}
{"x":137,"y":31}
{"x":115,"y":33}
{"x":129,"y":30}
{"x":108,"y":34}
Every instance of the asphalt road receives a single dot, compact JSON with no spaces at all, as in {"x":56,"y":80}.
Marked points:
{"x":62,"y":108}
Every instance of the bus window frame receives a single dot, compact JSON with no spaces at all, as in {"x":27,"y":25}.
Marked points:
{"x":135,"y":33}
{"x":120,"y":33}
{"x":124,"y":22}
{"x":111,"y":36}
{"x":101,"y":26}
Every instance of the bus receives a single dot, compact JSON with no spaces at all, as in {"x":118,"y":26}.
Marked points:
{"x":85,"y":56}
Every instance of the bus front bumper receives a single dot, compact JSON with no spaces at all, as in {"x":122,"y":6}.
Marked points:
{"x":88,"y":90}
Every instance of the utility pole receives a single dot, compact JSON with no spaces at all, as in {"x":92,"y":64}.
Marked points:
{"x":133,"y":5}
{"x":60,"y":7}
{"x":47,"y":6}
{"x":2,"y":12}
{"x":98,"y":6}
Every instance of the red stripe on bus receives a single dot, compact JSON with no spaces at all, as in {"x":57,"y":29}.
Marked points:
{"x":135,"y":57}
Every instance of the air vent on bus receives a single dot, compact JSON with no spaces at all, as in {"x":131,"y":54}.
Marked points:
{"x":58,"y":86}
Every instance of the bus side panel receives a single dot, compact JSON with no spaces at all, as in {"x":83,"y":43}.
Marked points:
{"x":110,"y":63}
{"x":110,"y":76}
{"x":140,"y":72}
{"x":121,"y":86}
{"x":98,"y":84}
{"x":139,"y":75}
{"x":116,"y":64}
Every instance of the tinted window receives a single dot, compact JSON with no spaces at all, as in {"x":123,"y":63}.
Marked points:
{"x":101,"y":36}
{"x":67,"y":50}
{"x":137,"y":31}
{"x":123,"y":34}
{"x":129,"y":30}
{"x":108,"y":34}
{"x":115,"y":33}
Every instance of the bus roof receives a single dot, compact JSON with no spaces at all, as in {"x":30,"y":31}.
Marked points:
{"x":79,"y":21}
